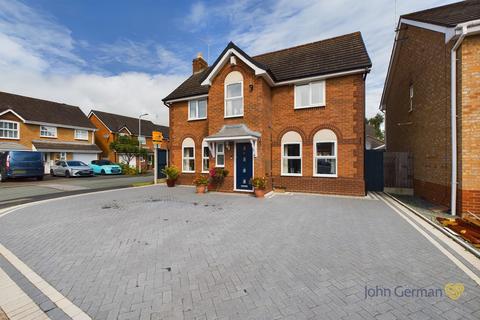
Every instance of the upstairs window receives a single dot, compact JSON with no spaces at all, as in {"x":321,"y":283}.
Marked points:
{"x":9,"y":129}
{"x":197,"y":109}
{"x":310,"y":95}
{"x":81,"y":134}
{"x":234,"y":95}
{"x":48,"y":132}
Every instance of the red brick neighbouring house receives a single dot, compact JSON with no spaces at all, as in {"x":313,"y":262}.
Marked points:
{"x":418,"y":105}
{"x":295,"y":116}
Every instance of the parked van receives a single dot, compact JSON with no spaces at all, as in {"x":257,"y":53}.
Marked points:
{"x":21,"y":164}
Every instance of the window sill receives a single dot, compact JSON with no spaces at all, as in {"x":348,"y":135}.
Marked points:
{"x":197,"y":119}
{"x":309,"y":107}
{"x":81,"y":139}
{"x":230,"y":117}
{"x":48,"y":137}
{"x":325,"y":176}
{"x":291,"y":175}
{"x":188,"y":171}
{"x":7,"y":138}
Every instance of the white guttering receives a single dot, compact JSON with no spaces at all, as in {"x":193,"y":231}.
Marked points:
{"x":187,"y":98}
{"x":325,"y":76}
{"x":464,"y":30}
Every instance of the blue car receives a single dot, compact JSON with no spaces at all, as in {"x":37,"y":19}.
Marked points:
{"x":105,"y":167}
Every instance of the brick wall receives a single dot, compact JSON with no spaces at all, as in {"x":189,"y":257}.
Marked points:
{"x":270,"y":112}
{"x":29,"y":132}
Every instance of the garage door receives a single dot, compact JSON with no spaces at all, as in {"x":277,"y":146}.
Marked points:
{"x":85,"y":157}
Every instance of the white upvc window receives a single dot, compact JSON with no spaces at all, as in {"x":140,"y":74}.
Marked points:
{"x":310,"y":95}
{"x":48,"y":132}
{"x":81,"y":134}
{"x":9,"y":129}
{"x":197,"y":109}
{"x":188,"y":155}
{"x":220,"y":155}
{"x":205,"y":158}
{"x":291,"y":154}
{"x":142,"y":140}
{"x":325,"y":154}
{"x":234,"y":95}
{"x":63,"y":156}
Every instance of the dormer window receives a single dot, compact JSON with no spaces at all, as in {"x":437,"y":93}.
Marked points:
{"x":234,"y":95}
{"x":197,"y":109}
{"x":310,"y":95}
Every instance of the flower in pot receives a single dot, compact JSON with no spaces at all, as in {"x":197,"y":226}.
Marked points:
{"x":172,"y":174}
{"x":259,"y":184}
{"x":201,"y":182}
{"x":217,"y":176}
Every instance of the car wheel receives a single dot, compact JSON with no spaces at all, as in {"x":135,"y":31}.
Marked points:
{"x":52,"y":173}
{"x":67,"y":174}
{"x":102,"y":172}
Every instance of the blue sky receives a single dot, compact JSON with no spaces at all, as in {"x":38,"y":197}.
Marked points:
{"x":125,"y":56}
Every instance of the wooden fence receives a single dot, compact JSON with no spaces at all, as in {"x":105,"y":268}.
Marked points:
{"x":398,"y":170}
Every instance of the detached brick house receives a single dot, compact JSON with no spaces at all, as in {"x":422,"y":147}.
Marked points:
{"x":295,"y":116}
{"x":59,"y":131}
{"x":110,"y":126}
{"x":433,"y":105}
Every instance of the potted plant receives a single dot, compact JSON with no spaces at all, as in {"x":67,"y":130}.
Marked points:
{"x":201,"y":183}
{"x":217,"y":176}
{"x":259,"y":184}
{"x":172,"y":174}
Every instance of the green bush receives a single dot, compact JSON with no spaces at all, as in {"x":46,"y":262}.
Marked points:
{"x":127,"y":170}
{"x":171,"y":172}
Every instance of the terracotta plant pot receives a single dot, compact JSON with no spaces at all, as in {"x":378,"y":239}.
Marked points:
{"x":201,"y":189}
{"x":212,"y":187}
{"x":259,"y":193}
{"x":170,"y":183}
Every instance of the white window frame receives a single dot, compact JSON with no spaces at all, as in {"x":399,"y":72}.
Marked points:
{"x":233,"y":98}
{"x":205,"y":145}
{"x":188,"y":158}
{"x":286,"y":158}
{"x":63,"y":156}
{"x":411,"y":92}
{"x":315,"y":157}
{"x":48,"y":127}
{"x":142,"y":140}
{"x":310,"y":105}
{"x":77,"y":137}
{"x":219,"y":153}
{"x":12,"y":130}
{"x":196,"y":109}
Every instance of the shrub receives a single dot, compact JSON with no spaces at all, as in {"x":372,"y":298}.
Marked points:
{"x":217,"y":175}
{"x":171,"y":172}
{"x":259,"y":182}
{"x":201,"y":181}
{"x":127,"y":170}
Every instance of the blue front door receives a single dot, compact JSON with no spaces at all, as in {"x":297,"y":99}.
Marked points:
{"x":244,"y":166}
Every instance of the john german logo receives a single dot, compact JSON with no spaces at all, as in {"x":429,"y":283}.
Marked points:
{"x":451,"y":290}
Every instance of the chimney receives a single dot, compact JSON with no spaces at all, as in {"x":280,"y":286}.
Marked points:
{"x":199,"y":64}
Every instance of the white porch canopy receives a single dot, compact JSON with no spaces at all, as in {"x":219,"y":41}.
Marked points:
{"x":234,"y":132}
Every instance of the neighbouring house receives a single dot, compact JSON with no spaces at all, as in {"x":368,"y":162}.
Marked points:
{"x":110,"y":126}
{"x":59,"y":131}
{"x":372,"y":142}
{"x":432,"y":105}
{"x":295,"y":116}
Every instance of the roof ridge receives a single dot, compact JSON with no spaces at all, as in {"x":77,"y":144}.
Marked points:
{"x":307,"y":44}
{"x":435,"y":8}
{"x":120,"y":115}
{"x":40,"y":99}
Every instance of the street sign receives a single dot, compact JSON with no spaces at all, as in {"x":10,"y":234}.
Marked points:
{"x":157,"y":137}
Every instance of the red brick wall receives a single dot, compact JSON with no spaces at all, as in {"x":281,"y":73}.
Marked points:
{"x":270,"y":112}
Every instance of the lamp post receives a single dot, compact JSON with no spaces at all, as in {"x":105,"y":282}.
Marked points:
{"x":139,"y":142}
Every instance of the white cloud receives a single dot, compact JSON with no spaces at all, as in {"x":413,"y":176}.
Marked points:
{"x":197,"y":17}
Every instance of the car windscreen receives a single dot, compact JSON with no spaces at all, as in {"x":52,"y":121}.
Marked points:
{"x":26,"y":156}
{"x":104,"y":163}
{"x":76,"y":163}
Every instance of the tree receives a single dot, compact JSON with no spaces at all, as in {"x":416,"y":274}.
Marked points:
{"x":376,"y":123}
{"x":127,"y":147}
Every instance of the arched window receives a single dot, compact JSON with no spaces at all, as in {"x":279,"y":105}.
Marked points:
{"x":188,"y":155}
{"x":325,"y":153}
{"x":205,"y":157}
{"x":234,"y":95}
{"x":291,"y":154}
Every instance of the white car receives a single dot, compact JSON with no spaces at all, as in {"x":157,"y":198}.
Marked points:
{"x":71,"y":168}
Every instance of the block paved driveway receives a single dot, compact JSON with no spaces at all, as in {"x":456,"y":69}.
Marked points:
{"x":166,"y":253}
